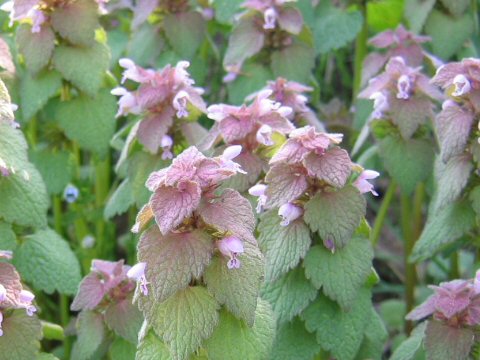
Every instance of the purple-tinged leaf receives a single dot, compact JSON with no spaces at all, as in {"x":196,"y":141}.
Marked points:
{"x":423,"y":310}
{"x":372,"y":64}
{"x":21,"y":335}
{"x":173,"y":260}
{"x":290,"y":19}
{"x":76,"y":21}
{"x":447,"y":342}
{"x":91,"y":292}
{"x":37,"y":48}
{"x":125,"y":319}
{"x":172,"y":205}
{"x":335,"y":215}
{"x":90,"y":335}
{"x":333,"y":167}
{"x":453,"y":125}
{"x":409,"y":114}
{"x":230,"y":212}
{"x":285,"y":183}
{"x":10,"y":279}
{"x":153,"y":127}
{"x":185,"y":32}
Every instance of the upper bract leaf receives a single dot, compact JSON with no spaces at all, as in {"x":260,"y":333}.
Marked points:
{"x":91,"y":334}
{"x":333,"y":167}
{"x":173,"y":260}
{"x":230,"y":212}
{"x":285,"y":183}
{"x":37,"y":48}
{"x":125,"y":319}
{"x":335,"y":215}
{"x":185,"y":32}
{"x":447,"y":342}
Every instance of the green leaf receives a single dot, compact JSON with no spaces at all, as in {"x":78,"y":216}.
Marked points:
{"x":384,"y":14}
{"x":337,"y":331}
{"x":77,"y":21}
{"x":152,"y":348}
{"x":21,"y":335}
{"x":456,"y":7}
{"x":184,"y":320}
{"x":8,"y":239}
{"x":408,"y":162}
{"x":145,"y":45}
{"x":90,"y":335}
{"x":46,"y":260}
{"x":341,"y":274}
{"x":408,"y":349}
{"x":474,"y":198}
{"x":185,"y":32}
{"x":56,"y":169}
{"x":246,"y":39}
{"x":335,"y":28}
{"x":416,"y":13}
{"x":124,"y":318}
{"x":375,"y":336}
{"x":120,"y":201}
{"x":289,"y":295}
{"x":174,"y":259}
{"x":84,"y":67}
{"x":448,"y":34}
{"x":24,"y":197}
{"x":445,"y":342}
{"x":36,"y":91}
{"x":122,"y":350}
{"x":90,"y":121}
{"x":451,"y":179}
{"x":335,"y":215}
{"x":234,"y":340}
{"x":294,"y":62}
{"x":252,"y":78}
{"x":444,"y":227}
{"x":226,"y":9}
{"x":238,"y":288}
{"x":36,"y":48}
{"x":293,"y":341}
{"x":283,"y":246}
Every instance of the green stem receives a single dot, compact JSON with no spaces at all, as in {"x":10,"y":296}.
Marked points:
{"x":360,"y":52}
{"x":382,"y":213}
{"x":410,"y":270}
{"x":57,"y":214}
{"x":102,"y":185}
{"x":32,"y":132}
{"x":418,"y":201}
{"x":454,"y":266}
{"x":52,"y":331}
{"x":65,"y":316}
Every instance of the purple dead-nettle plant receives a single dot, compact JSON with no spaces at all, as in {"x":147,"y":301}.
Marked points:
{"x":253,"y":127}
{"x":312,"y":232}
{"x":454,"y":316}
{"x":199,"y":248}
{"x":402,"y":94}
{"x":164,"y":98}
{"x":105,"y":302}
{"x":266,"y":23}
{"x":392,"y":43}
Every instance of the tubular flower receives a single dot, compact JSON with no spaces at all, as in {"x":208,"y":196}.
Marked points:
{"x":289,"y":212}
{"x":362,"y":184}
{"x":137,"y":273}
{"x":259,"y":191}
{"x":231,"y":246}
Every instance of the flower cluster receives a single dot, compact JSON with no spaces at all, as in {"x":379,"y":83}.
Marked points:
{"x":108,"y":283}
{"x":12,"y":294}
{"x":162,"y":97}
{"x":455,"y":303}
{"x":308,"y":162}
{"x":267,"y":22}
{"x":461,"y":80}
{"x":402,"y":94}
{"x":252,"y":127}
{"x":398,"y":42}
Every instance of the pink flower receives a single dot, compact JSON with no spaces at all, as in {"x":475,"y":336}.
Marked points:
{"x":38,"y":18}
{"x":180,"y":104}
{"x":330,"y":245}
{"x":4,"y":170}
{"x":231,"y":246}
{"x":362,"y":184}
{"x":137,"y":273}
{"x":228,"y":155}
{"x":25,"y":300}
{"x":166,"y":145}
{"x":270,"y":17}
{"x":380,"y":104}
{"x":134,"y":72}
{"x":259,"y":191}
{"x":264,"y":135}
{"x":127,"y":104}
{"x":462,"y":85}
{"x":403,"y":87}
{"x":289,"y":212}
{"x":6,"y":254}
